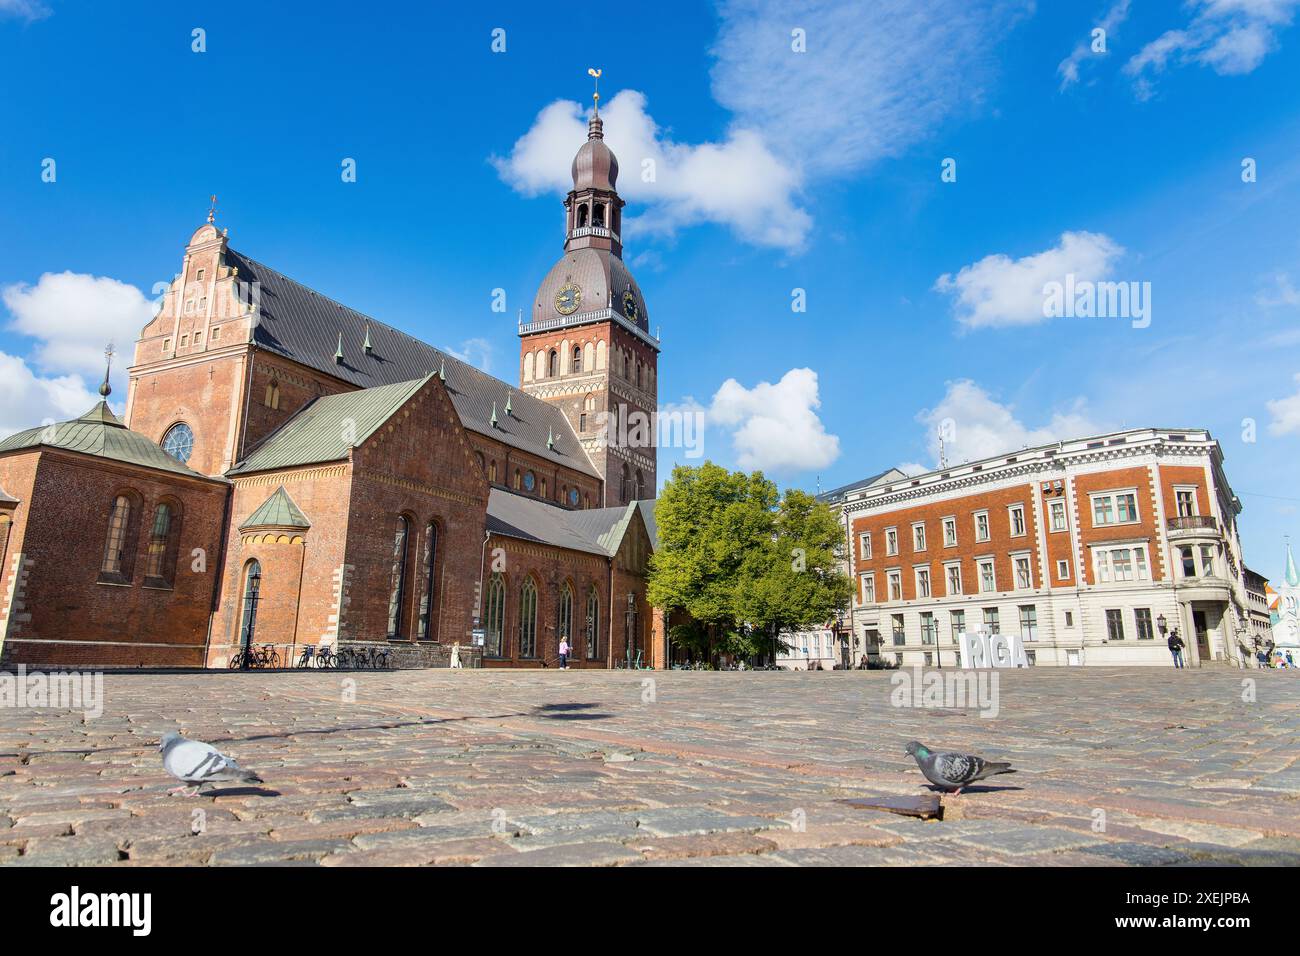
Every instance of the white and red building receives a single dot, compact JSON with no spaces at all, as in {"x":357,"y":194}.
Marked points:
{"x":1092,"y":550}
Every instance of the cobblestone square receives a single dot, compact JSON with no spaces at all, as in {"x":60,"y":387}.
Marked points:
{"x":1116,"y":767}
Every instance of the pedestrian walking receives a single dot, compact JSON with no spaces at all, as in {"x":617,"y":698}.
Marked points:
{"x":1176,"y":647}
{"x":564,"y":653}
{"x":455,"y":655}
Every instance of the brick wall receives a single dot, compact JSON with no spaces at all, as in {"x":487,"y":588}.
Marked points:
{"x":61,"y":612}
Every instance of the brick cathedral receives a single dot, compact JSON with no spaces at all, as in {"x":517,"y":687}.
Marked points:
{"x":289,"y":471}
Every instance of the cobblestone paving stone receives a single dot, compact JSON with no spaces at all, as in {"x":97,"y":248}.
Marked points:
{"x":495,"y":768}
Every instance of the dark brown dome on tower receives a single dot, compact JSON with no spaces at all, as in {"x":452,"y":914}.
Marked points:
{"x":595,"y":166}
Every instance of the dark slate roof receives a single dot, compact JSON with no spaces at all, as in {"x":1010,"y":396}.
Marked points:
{"x":99,"y":433}
{"x":304,"y":326}
{"x":277,"y":511}
{"x":594,"y":530}
{"x":836,"y":495}
{"x":328,"y":428}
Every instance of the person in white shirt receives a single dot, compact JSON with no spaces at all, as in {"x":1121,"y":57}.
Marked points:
{"x":564,"y":653}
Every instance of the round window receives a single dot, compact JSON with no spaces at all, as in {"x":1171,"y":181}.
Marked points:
{"x":179,"y":442}
{"x":573,"y":497}
{"x":529,"y":481}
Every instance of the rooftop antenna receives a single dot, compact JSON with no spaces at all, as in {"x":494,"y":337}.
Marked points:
{"x":943,"y":455}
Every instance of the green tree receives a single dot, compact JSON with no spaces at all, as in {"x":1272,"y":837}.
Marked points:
{"x":744,"y":561}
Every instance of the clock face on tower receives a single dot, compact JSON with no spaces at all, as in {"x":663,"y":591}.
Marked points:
{"x":568,"y":299}
{"x":629,"y":305}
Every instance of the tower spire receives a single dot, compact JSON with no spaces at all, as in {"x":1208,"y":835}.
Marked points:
{"x":595,"y":126}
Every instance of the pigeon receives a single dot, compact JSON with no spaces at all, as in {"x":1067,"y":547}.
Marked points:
{"x":195,"y":762}
{"x":953,"y":772}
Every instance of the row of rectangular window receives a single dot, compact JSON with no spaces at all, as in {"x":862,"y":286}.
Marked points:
{"x":1108,"y":509}
{"x":1028,"y":614}
{"x":1022,"y":569}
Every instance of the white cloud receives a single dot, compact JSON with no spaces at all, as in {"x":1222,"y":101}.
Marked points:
{"x":737,"y":182}
{"x":775,"y":426}
{"x":1283,"y":293}
{"x":976,"y":426}
{"x":73,"y":316}
{"x":1068,"y":69}
{"x":27,"y":400}
{"x":1000,"y":291}
{"x":476,"y":352}
{"x":1231,"y":37}
{"x":28,"y":10}
{"x":876,"y":77}
{"x":1286,"y":413}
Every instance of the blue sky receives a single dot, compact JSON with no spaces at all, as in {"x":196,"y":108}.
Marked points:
{"x":776,"y":170}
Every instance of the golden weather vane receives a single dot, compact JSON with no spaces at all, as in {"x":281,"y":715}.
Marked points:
{"x":595,"y":75}
{"x":212,"y":210}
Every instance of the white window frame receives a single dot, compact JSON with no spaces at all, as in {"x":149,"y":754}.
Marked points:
{"x":864,"y":546}
{"x":918,"y":526}
{"x":947,"y":580}
{"x":1016,"y":558}
{"x":979,"y":570}
{"x":950,"y":524}
{"x":868,"y":580}
{"x":894,"y":577}
{"x":1011,"y":522}
{"x":988,"y":528}
{"x":1114,"y":497}
{"x":1052,"y":507}
{"x":891,"y":542}
{"x":1104,"y":571}
{"x":1196,"y":505}
{"x":1063,"y":569}
{"x":929,"y":583}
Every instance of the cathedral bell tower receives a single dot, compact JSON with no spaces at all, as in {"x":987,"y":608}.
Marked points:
{"x":587,"y":346}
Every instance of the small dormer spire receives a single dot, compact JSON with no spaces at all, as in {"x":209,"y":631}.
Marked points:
{"x":105,"y":389}
{"x":442,"y":370}
{"x":493,"y":420}
{"x":509,"y":410}
{"x":338,"y":352}
{"x":367,"y":346}
{"x":550,"y":440}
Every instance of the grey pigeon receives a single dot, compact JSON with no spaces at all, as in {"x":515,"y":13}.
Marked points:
{"x":195,"y":762}
{"x":953,"y":772}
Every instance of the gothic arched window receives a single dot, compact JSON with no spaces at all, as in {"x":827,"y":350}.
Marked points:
{"x":430,"y":580}
{"x":397,"y":586}
{"x":593,"y":624}
{"x":577,"y":358}
{"x":625,"y":485}
{"x":640,"y":485}
{"x":118,"y":549}
{"x":164,"y":537}
{"x":564,"y":617}
{"x":528,"y":619}
{"x":273,"y":394}
{"x":554,"y":364}
{"x":582,"y":215}
{"x":496,"y":616}
{"x":598,"y":214}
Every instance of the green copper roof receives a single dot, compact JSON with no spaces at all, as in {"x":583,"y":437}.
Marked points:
{"x":277,"y":511}
{"x":328,"y":428}
{"x":99,"y":433}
